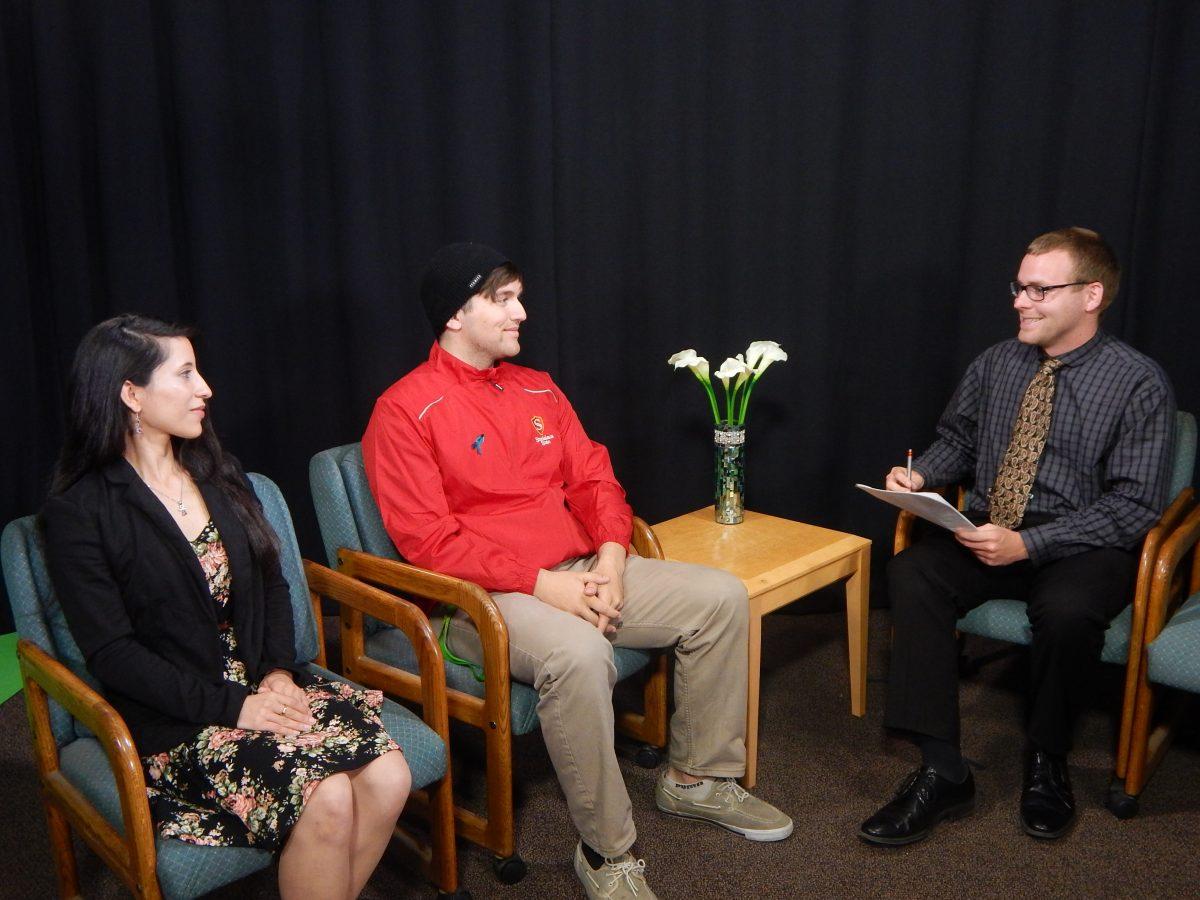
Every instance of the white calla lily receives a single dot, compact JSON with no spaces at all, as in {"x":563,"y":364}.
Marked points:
{"x":761,"y":354}
{"x":731,"y":368}
{"x":699,"y":367}
{"x":746,"y":373}
{"x":689,"y":359}
{"x":744,"y":370}
{"x":682,"y":358}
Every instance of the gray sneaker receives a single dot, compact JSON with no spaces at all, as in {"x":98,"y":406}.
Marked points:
{"x":723,"y":802}
{"x":623,"y":878}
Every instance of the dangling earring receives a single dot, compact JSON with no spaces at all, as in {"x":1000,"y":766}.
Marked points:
{"x":137,"y":422}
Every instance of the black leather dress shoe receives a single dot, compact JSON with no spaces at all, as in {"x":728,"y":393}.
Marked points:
{"x":1047,"y":804}
{"x":923,"y":799}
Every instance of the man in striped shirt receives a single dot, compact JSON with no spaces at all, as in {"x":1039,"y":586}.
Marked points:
{"x":1100,"y":485}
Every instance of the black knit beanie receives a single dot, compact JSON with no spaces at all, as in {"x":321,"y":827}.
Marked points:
{"x":454,"y":276}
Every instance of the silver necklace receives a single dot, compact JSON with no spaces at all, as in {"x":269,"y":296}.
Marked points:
{"x":179,"y":504}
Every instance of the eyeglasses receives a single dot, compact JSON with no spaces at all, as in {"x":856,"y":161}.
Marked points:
{"x":1037,"y":292}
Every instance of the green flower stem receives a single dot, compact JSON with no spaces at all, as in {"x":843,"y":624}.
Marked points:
{"x":712,"y":397}
{"x":745,"y":407}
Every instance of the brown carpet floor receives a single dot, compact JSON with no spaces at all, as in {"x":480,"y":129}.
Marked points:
{"x":827,"y":769}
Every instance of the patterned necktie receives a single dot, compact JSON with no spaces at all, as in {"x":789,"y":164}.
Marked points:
{"x":1014,"y":480}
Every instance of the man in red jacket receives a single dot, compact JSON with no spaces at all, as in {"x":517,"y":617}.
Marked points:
{"x":482,"y":470}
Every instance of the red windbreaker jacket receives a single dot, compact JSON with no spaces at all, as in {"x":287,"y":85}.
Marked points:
{"x":488,"y":475}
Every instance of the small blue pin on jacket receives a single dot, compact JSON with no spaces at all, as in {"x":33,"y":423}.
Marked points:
{"x":477,"y":445}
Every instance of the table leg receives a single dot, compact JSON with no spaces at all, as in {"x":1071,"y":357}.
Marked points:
{"x":754,"y":667}
{"x":858,"y":608}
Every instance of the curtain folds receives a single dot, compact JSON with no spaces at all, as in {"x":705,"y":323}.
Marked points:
{"x":854,"y":180}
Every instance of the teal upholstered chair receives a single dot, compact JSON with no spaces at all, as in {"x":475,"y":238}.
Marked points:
{"x":1171,"y":658}
{"x":357,"y":543}
{"x":91,"y":779}
{"x":1006,"y":620}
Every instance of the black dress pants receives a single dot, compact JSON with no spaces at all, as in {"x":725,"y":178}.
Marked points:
{"x":1070,"y":601}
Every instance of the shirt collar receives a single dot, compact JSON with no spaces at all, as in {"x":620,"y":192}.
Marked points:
{"x":1082,"y":352}
{"x":449,"y":364}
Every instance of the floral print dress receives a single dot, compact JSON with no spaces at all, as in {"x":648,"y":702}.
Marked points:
{"x":235,"y":787}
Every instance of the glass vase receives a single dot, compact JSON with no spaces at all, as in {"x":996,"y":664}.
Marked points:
{"x":729,"y":461}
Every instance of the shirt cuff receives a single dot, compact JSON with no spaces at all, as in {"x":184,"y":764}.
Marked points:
{"x":615,"y":526}
{"x":235,"y":697}
{"x":1037,"y":544}
{"x":527,"y":580}
{"x":612,"y":536}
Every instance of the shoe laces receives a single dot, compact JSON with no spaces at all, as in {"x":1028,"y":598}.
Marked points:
{"x":630,"y":870}
{"x":1043,"y":765}
{"x":1052,"y":775}
{"x":731,"y":787}
{"x":925,"y":775}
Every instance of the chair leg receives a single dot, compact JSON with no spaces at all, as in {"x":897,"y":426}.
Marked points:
{"x":1158,"y":739}
{"x":648,"y":757}
{"x":425,"y":835}
{"x":654,"y":702}
{"x":1118,"y":802}
{"x":649,"y":725}
{"x":1139,"y":740}
{"x":1149,"y":742}
{"x":64,"y":853}
{"x":443,"y":866}
{"x":496,"y":830}
{"x":509,"y":869}
{"x":1124,"y":742}
{"x":501,"y":820}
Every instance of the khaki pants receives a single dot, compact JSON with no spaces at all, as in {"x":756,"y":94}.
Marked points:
{"x":700,"y":612}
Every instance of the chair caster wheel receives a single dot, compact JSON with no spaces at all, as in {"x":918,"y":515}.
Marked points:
{"x":1121,"y":804}
{"x":456,"y":895}
{"x":509,"y":869}
{"x":648,"y":757}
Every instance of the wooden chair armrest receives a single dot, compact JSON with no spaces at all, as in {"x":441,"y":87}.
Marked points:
{"x":44,"y":676}
{"x":645,"y":541}
{"x":356,"y":599}
{"x":439,"y":588}
{"x":1167,"y":588}
{"x":1151,"y":545}
{"x":906,"y":521}
{"x":1134,"y":664}
{"x":467,"y":596}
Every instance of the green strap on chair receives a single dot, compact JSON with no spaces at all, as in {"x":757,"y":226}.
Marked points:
{"x":476,"y":670}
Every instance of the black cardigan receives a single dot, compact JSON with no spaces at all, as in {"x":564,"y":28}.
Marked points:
{"x":137,"y":603}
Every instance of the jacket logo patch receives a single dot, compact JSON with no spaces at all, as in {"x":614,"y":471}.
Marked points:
{"x":539,"y":426}
{"x":477,"y":445}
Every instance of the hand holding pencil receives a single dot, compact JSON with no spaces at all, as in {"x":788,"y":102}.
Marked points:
{"x":903,"y":478}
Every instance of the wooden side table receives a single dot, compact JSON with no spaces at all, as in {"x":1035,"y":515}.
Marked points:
{"x":780,"y":562}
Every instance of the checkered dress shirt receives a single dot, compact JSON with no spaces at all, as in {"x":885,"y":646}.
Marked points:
{"x":1104,"y":473}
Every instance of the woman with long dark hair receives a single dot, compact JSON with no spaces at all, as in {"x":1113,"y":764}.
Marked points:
{"x":169,"y":577}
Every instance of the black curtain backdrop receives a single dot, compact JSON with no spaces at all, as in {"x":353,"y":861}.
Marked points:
{"x":853,"y":179}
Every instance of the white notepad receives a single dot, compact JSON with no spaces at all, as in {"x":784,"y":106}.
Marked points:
{"x":926,"y":504}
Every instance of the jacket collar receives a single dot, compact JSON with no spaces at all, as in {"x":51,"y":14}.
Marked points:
{"x":139,"y":495}
{"x":449,"y":364}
